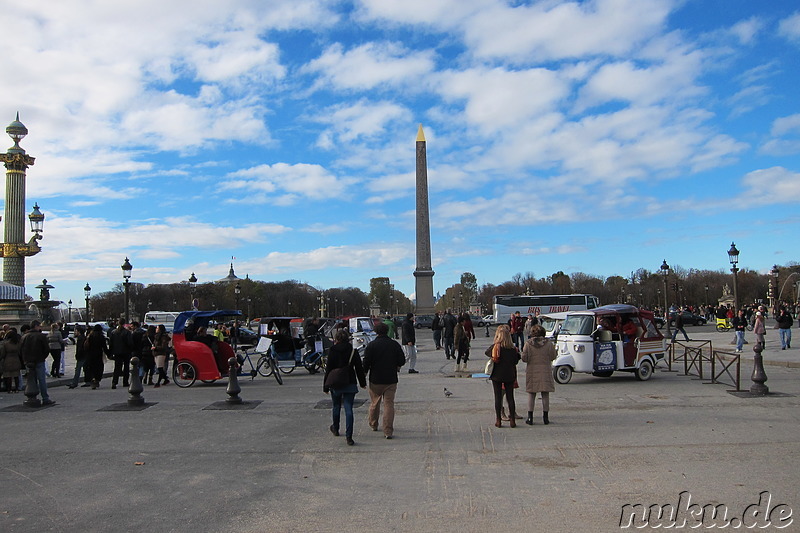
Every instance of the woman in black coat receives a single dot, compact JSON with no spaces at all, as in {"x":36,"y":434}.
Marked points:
{"x":504,"y":374}
{"x":95,"y":346}
{"x":342,"y":354}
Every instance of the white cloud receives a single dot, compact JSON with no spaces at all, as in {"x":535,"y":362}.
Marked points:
{"x":297,"y":181}
{"x":790,"y":27}
{"x":371,"y":66}
{"x":745,"y":31}
{"x":784,"y":125}
{"x":361,"y":119}
{"x":361,"y":256}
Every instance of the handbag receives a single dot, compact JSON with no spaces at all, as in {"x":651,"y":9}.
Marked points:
{"x":489,"y":367}
{"x":339,"y":378}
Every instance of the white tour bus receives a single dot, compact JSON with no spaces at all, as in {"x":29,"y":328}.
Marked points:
{"x":154,"y":318}
{"x":505,"y":306}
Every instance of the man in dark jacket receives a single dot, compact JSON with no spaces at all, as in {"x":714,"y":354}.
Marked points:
{"x":121,"y":348}
{"x":383,"y":358}
{"x":437,"y":328}
{"x":409,"y":340}
{"x":35,"y":349}
{"x":449,"y":323}
{"x":785,"y":323}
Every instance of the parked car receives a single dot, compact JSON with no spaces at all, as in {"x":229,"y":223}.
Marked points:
{"x":247,"y":336}
{"x":477,"y":322}
{"x":488,"y":319}
{"x":423,"y":321}
{"x":689,"y":319}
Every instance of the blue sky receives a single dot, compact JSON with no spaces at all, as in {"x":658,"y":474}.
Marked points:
{"x":597,"y":136}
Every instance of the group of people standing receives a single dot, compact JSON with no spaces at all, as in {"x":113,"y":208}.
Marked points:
{"x":453,"y":334}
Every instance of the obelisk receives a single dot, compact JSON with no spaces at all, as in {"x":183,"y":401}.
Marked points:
{"x":424,"y":271}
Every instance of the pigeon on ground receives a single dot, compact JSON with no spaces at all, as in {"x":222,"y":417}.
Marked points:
{"x":447,"y":393}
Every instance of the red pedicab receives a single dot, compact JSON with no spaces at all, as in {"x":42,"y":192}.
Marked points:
{"x":195,"y":359}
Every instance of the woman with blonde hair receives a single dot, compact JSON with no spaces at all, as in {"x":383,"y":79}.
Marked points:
{"x":539,"y":354}
{"x":505,"y":357}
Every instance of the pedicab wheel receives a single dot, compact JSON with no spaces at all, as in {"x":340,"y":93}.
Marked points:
{"x":721,"y":328}
{"x":286,"y":369}
{"x":275,"y":371}
{"x":562,"y":374}
{"x":208,"y":381}
{"x":645,"y":370}
{"x":264,"y":367}
{"x":184,"y":374}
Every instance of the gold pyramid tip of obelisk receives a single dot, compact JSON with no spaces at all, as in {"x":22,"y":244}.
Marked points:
{"x":420,"y":135}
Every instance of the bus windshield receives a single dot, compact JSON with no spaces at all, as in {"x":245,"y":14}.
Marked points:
{"x":578,"y":325}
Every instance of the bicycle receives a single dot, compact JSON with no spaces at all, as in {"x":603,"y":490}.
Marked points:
{"x":316,"y":355}
{"x":267,"y":364}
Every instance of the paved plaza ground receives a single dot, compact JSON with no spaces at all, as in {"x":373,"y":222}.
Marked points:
{"x":178,"y":466}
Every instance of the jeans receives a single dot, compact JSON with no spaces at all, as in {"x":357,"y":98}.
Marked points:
{"x":739,"y":340}
{"x":339,"y":397}
{"x":41,"y":377}
{"x":518,"y":340}
{"x":449,"y":347}
{"x":675,"y":333}
{"x":786,"y":337}
{"x":78,"y":368}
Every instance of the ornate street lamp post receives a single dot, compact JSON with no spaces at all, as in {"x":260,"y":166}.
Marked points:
{"x":665,"y":274}
{"x":87,"y":291}
{"x":733,"y":257}
{"x":192,"y":286}
{"x":127,"y":268}
{"x":773,"y":286}
{"x":69,"y":310}
{"x":13,"y":249}
{"x":237,"y":290}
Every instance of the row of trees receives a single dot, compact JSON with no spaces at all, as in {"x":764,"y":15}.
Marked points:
{"x":294,"y":298}
{"x":643,"y":287}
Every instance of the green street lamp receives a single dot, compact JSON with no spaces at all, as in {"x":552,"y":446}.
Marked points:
{"x":127,"y":268}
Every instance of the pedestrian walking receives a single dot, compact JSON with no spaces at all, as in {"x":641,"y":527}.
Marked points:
{"x":343,"y":355}
{"x":437,"y":327}
{"x":95,"y":349}
{"x":120,"y":344}
{"x":55,"y":342}
{"x":35,"y":349}
{"x":383,"y":358}
{"x":461,"y":339}
{"x":739,"y":327}
{"x":785,"y":323}
{"x":538,"y":355}
{"x":448,"y":333}
{"x":161,"y":350}
{"x":759,"y":328}
{"x":679,"y":325}
{"x":80,"y":358}
{"x":517,"y":325}
{"x":11,"y":360}
{"x":504,"y":373}
{"x":409,"y":340}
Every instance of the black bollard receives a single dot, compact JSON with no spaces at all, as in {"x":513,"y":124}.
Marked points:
{"x":487,"y":329}
{"x":135,"y":389}
{"x":233,"y":383}
{"x":31,"y":387}
{"x":758,"y":388}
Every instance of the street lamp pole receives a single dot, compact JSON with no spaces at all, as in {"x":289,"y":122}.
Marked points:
{"x":733,"y":257}
{"x":665,"y":274}
{"x":192,"y":286}
{"x":87,"y":291}
{"x":773,"y":286}
{"x":69,"y":310}
{"x":237,"y":290}
{"x":127,"y":268}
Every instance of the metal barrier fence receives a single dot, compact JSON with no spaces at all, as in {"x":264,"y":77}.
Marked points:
{"x":700,"y":357}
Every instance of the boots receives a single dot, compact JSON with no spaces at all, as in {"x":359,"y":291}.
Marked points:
{"x":545,"y":418}
{"x":503,"y":415}
{"x":498,"y":423}
{"x":512,"y":420}
{"x":529,"y":420}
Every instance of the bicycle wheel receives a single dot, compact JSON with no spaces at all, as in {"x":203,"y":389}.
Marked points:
{"x":264,"y":367}
{"x":184,"y":374}
{"x":275,"y":371}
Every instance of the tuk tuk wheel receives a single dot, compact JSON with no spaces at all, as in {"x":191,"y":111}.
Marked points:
{"x":184,"y":374}
{"x":562,"y":374}
{"x":645,"y":370}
